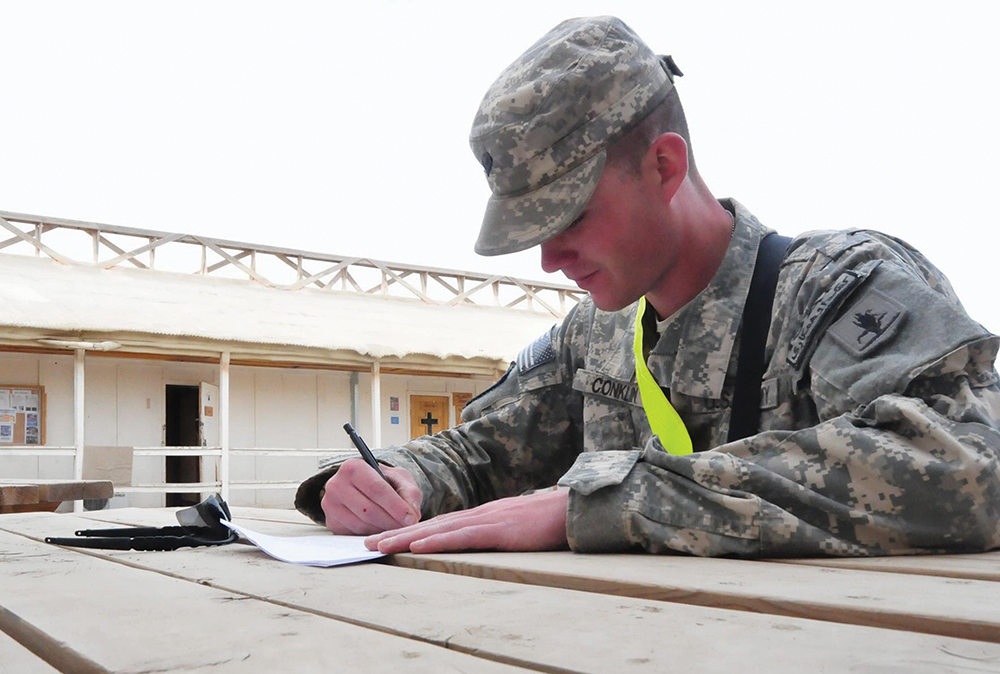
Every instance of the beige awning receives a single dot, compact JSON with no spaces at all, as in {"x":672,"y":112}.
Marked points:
{"x":40,"y":297}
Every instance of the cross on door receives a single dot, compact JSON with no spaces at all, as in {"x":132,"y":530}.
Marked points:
{"x":428,"y":414}
{"x":429,"y":422}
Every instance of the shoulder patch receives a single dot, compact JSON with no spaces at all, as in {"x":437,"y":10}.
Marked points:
{"x":871,"y":322}
{"x":831,"y":298}
{"x":471,"y":405}
{"x":537,"y":353}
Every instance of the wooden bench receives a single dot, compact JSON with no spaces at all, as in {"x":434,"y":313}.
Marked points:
{"x":18,"y":496}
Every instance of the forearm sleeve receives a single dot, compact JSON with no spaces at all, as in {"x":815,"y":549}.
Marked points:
{"x":903,"y":474}
{"x":521,"y":434}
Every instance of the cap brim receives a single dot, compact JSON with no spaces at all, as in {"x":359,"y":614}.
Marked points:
{"x":517,"y":223}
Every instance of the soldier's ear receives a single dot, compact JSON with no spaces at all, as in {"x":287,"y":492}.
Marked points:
{"x":666,"y":163}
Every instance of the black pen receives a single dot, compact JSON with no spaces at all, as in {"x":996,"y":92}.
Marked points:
{"x":366,"y":453}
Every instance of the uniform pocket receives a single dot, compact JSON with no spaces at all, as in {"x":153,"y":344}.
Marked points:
{"x":591,"y":472}
{"x":608,"y":405}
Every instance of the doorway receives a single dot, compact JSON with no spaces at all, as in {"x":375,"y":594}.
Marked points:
{"x":182,"y":430}
{"x":428,"y":414}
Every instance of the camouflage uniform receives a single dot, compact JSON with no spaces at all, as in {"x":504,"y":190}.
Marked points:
{"x":874,"y":441}
{"x":879,"y":405}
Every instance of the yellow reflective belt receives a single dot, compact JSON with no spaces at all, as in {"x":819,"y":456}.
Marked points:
{"x":662,"y":416}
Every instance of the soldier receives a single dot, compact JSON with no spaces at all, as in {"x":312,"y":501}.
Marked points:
{"x":874,"y":419}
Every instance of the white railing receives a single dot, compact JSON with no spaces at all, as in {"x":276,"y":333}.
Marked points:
{"x":107,"y":246}
{"x":195,"y":487}
{"x":37,"y":450}
{"x":197,"y":450}
{"x":189,"y":487}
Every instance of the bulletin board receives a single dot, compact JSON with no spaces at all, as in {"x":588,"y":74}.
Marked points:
{"x":22,"y":415}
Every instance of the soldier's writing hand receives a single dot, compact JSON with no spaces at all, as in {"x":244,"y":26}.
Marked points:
{"x":359,"y":502}
{"x":524,"y":523}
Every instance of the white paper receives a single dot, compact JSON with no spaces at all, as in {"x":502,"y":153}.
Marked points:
{"x":23,"y":401}
{"x":325,"y":550}
{"x":4,"y":398}
{"x":19,"y":399}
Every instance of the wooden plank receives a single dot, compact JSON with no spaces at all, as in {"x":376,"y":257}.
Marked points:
{"x":52,"y":651}
{"x":26,"y":495}
{"x":531,"y":295}
{"x":34,"y":242}
{"x":119,"y":250}
{"x":968,"y":609}
{"x":58,"y":490}
{"x":126,"y":618}
{"x":272,"y":514}
{"x":43,"y":506}
{"x":151,"y":246}
{"x":164,"y":517}
{"x":233,"y":261}
{"x":549,"y":629}
{"x":466,"y":293}
{"x":314,"y":278}
{"x":16,"y":494}
{"x":223,"y":263}
{"x":983,"y":566}
{"x":16,"y":659}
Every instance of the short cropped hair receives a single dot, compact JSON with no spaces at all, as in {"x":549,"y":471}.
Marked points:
{"x":668,"y":116}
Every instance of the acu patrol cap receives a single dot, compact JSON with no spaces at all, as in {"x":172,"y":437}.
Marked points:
{"x":543,"y":126}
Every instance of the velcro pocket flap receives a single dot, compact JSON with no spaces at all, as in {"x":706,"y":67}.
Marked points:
{"x":595,"y":470}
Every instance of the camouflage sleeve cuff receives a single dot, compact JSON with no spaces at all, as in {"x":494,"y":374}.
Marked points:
{"x":594,"y":517}
{"x":309,"y":495}
{"x":661,"y":503}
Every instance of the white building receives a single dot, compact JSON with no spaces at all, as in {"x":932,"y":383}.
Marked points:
{"x":173,"y":363}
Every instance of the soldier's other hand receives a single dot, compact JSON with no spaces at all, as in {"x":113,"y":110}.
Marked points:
{"x":522,"y":523}
{"x":359,"y":502}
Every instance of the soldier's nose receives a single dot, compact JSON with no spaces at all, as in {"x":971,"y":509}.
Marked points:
{"x":555,"y":255}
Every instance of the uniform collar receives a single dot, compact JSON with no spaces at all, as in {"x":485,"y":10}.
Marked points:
{"x":693,"y":351}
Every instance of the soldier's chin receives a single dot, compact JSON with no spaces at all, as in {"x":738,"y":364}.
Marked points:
{"x":608,"y":303}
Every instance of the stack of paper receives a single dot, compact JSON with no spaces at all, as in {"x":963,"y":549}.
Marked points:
{"x":327,"y":550}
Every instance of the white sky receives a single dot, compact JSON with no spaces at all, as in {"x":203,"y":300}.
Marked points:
{"x":342,"y":128}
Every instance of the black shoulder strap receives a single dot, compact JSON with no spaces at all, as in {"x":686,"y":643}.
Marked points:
{"x":745,"y":416}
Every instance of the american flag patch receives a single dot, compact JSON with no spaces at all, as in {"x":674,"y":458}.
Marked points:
{"x":535,"y":354}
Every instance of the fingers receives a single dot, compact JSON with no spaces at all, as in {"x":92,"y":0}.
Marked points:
{"x":478,"y":537}
{"x":410,"y":538}
{"x":535,"y":522}
{"x":403,"y":540}
{"x":404,"y":485}
{"x":367,"y":509}
{"x":358,"y":501}
{"x":340,"y":520}
{"x":387,"y":500}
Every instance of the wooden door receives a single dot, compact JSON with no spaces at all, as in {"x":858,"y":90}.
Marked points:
{"x":460,"y":400}
{"x":428,"y":414}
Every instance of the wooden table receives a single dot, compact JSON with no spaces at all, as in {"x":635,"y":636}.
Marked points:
{"x":17,"y":496}
{"x":233,"y":608}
